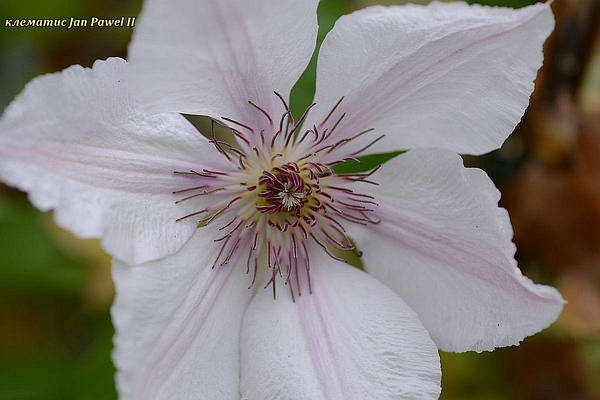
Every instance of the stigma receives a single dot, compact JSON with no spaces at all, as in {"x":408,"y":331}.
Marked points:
{"x":291,"y":198}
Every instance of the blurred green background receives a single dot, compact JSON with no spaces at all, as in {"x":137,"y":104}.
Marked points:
{"x":56,"y":290}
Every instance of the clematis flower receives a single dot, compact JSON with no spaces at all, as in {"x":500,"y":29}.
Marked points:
{"x":227,"y":268}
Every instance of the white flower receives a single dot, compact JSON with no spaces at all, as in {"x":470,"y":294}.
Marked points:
{"x":106,"y":149}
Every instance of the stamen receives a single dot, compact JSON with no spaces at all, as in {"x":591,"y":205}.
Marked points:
{"x":332,"y":111}
{"x":214,"y":140}
{"x":262,"y":111}
{"x":199,"y":194}
{"x":190,"y":189}
{"x":214,"y":172}
{"x":369,"y":145}
{"x":238,"y":123}
{"x":297,"y":125}
{"x":282,"y":197}
{"x":230,"y":232}
{"x":191,"y":215}
{"x":334,"y":126}
{"x":234,"y":131}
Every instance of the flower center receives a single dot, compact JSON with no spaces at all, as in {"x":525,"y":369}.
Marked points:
{"x":282,"y":196}
{"x":283,"y":189}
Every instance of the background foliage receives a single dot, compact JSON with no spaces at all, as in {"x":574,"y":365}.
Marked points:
{"x":55,"y":336}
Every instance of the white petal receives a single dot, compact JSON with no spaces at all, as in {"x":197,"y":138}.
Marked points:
{"x":445,"y":75}
{"x":445,"y":247}
{"x":353,"y":338}
{"x":210,"y":57}
{"x":177,"y":324}
{"x":78,"y":143}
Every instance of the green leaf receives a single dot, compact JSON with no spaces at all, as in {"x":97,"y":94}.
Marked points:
{"x":304,"y":91}
{"x":503,"y":3}
{"x":366,"y":163}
